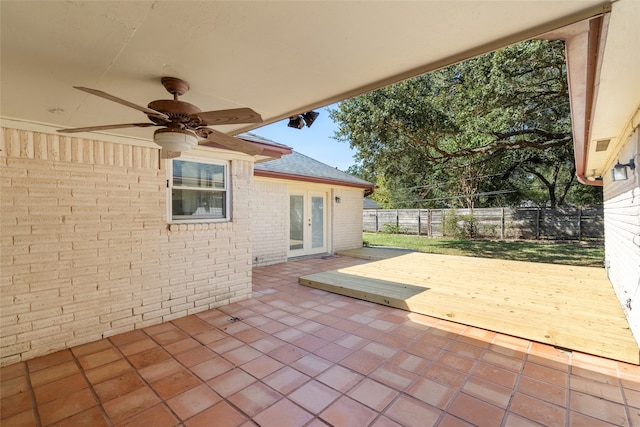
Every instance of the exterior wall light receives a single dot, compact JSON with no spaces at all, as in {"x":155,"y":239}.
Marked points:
{"x":296,"y":122}
{"x":300,"y":120}
{"x":338,"y":199}
{"x":619,"y":171}
{"x":310,"y":117}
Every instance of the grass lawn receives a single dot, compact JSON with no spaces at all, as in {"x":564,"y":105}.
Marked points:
{"x":588,"y":255}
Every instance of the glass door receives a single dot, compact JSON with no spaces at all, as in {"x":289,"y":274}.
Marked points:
{"x":317,"y":222}
{"x":307,"y":224}
{"x":296,"y":222}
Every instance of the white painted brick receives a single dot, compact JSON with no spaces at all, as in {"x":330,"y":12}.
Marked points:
{"x":156,"y":314}
{"x":10,"y":307}
{"x":63,"y":286}
{"x":7,"y":341}
{"x":10,"y":269}
{"x":205,"y":302}
{"x":14,"y":351}
{"x":125,"y":324}
{"x":108,"y":318}
{"x":37,"y":334}
{"x":181,"y":308}
{"x":195,"y":310}
{"x":148,"y":308}
{"x":88,"y":331}
{"x":8,"y":320}
{"x":58,"y":320}
{"x":39,"y":314}
{"x":93,"y":216}
{"x":174,"y":302}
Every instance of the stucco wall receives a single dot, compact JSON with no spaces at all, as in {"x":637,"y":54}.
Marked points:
{"x":270,"y":222}
{"x":622,"y":233}
{"x":87,"y":251}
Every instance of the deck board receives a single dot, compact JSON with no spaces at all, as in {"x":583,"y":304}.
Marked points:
{"x":565,"y":306}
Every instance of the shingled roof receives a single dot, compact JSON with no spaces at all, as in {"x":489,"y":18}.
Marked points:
{"x":299,"y":167}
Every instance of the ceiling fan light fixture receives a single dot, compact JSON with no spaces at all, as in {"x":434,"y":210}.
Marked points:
{"x":177,"y":140}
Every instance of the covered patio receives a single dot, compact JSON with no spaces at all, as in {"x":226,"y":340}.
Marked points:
{"x":297,"y":356}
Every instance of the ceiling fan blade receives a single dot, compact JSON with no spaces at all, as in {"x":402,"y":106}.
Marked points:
{"x":105,"y":127}
{"x":230,"y":142}
{"x":229,"y":117}
{"x":121,"y":101}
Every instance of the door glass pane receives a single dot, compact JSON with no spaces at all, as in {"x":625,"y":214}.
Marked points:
{"x":296,"y":222}
{"x":317,"y":222}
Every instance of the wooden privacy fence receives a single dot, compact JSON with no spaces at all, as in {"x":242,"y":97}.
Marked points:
{"x":567,"y":223}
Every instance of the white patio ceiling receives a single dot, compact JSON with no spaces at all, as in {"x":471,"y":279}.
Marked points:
{"x":278,"y":58}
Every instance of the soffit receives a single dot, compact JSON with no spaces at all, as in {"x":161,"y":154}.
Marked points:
{"x":617,"y":85}
{"x":278,"y":58}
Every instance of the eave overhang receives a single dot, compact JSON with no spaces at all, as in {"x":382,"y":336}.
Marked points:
{"x":316,"y":180}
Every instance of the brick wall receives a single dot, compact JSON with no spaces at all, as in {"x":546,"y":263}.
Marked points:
{"x":86,"y":251}
{"x":347,"y":218}
{"x":270,"y":222}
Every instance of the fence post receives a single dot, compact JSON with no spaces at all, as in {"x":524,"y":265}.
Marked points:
{"x":442,"y":222}
{"x":522,"y":215}
{"x":580,"y":223}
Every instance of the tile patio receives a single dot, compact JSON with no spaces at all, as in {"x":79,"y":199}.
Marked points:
{"x":296,"y":356}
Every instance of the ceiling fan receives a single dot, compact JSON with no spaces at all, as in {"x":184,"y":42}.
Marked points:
{"x":182,"y":123}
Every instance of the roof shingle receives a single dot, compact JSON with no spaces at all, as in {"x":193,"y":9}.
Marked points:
{"x":304,"y":166}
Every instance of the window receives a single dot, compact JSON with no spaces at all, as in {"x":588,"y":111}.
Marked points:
{"x":199,"y":191}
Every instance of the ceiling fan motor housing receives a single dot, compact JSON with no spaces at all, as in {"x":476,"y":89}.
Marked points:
{"x":177,"y":111}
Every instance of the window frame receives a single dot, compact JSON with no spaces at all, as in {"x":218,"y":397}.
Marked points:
{"x":226,"y":190}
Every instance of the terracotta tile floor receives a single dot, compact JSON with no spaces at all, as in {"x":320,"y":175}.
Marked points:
{"x":295,"y":356}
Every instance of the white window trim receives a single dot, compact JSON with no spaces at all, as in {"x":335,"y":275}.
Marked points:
{"x":227,"y":190}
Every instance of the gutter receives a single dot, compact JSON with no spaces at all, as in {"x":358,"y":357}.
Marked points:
{"x":593,"y":53}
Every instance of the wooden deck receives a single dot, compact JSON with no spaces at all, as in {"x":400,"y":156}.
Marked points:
{"x":565,"y":306}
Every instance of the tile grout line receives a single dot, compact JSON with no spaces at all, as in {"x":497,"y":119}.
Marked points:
{"x":137,"y":371}
{"x":90,"y":385}
{"x":515,"y":388}
{"x":568,"y":386}
{"x":32,"y":395}
{"x":230,"y":403}
{"x":624,"y":395}
{"x":416,"y":376}
{"x":224,"y":399}
{"x":469,"y":375}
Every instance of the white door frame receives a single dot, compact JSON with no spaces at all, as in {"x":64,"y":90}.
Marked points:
{"x":308,"y":224}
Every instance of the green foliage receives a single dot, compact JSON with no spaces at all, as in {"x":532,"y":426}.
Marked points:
{"x":459,"y":226}
{"x":491,"y":131}
{"x":393,"y":229}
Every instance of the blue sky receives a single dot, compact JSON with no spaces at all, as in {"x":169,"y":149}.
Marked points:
{"x":316,"y":141}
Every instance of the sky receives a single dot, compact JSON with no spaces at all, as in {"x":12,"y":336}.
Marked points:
{"x":316,"y":141}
